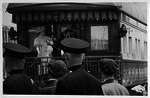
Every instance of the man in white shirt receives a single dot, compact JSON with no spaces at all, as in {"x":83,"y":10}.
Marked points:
{"x":44,"y":50}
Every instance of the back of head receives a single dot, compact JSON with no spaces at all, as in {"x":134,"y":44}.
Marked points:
{"x":14,"y":55}
{"x":59,"y":68}
{"x":76,"y":48}
{"x":108,"y":67}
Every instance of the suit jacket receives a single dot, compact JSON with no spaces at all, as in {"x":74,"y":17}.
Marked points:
{"x":78,"y":82}
{"x":110,"y":87}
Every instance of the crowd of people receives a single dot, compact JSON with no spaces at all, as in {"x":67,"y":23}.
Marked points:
{"x":67,"y":77}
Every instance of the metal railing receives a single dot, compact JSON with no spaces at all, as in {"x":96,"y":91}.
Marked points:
{"x":133,"y":72}
{"x":130,"y":72}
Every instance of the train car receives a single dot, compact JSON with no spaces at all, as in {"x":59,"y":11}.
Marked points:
{"x":111,"y":32}
{"x":133,"y":51}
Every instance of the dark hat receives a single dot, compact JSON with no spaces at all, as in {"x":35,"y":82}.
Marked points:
{"x":74,"y":45}
{"x":109,"y":66}
{"x":15,"y":50}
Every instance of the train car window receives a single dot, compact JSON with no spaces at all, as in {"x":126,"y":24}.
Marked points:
{"x":125,"y":44}
{"x":130,"y":45}
{"x":99,"y":37}
{"x":145,"y":49}
{"x":139,"y":49}
{"x":135,"y":48}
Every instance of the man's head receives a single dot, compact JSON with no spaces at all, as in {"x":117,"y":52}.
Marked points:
{"x":108,"y":67}
{"x":59,"y":68}
{"x":14,"y":56}
{"x":72,"y":59}
{"x":74,"y":50}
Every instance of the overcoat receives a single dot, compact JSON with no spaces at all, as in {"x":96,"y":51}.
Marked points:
{"x":78,"y":82}
{"x":18,"y":83}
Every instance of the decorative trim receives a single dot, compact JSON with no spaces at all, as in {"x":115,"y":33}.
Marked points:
{"x":61,"y":16}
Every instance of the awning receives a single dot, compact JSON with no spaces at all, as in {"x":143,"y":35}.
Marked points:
{"x":67,"y":16}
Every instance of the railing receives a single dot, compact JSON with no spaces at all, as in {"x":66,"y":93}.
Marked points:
{"x":39,"y":68}
{"x":131,"y":72}
{"x":92,"y":64}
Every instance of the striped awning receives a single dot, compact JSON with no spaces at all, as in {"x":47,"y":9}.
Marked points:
{"x":61,"y":16}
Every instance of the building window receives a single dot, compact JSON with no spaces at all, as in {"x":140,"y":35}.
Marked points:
{"x":145,"y":49}
{"x":125,"y":44}
{"x":139,"y":49}
{"x":99,"y":37}
{"x":136,"y":47}
{"x":127,"y":19}
{"x":130,"y":45}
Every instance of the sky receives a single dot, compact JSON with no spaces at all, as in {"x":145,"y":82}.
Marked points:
{"x":6,"y":17}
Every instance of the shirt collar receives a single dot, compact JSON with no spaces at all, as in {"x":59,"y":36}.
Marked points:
{"x":109,"y":80}
{"x":75,"y":67}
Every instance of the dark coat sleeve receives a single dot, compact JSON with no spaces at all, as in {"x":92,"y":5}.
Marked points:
{"x":61,"y":88}
{"x":100,"y":91}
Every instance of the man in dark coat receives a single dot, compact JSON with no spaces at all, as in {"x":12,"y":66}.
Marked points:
{"x":78,"y":81}
{"x":17,"y":82}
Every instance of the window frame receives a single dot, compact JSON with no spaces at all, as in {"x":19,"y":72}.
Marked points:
{"x":107,"y":38}
{"x":102,"y":52}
